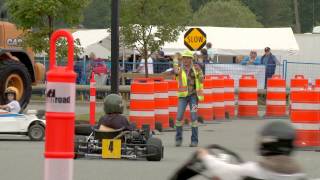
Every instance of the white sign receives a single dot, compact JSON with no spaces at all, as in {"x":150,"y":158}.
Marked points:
{"x":60,"y":97}
{"x":237,"y":70}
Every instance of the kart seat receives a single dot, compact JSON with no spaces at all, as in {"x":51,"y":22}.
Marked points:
{"x":99,"y":135}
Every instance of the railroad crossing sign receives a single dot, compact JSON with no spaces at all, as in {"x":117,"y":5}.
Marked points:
{"x":195,"y":39}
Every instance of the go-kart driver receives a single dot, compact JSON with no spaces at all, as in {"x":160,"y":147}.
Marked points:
{"x":276,"y":144}
{"x":113,"y":118}
{"x":13,"y":106}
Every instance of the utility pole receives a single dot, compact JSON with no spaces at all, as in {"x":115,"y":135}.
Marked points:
{"x":115,"y":46}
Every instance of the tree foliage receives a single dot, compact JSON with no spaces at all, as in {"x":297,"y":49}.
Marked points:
{"x":39,"y":18}
{"x":225,"y":13}
{"x":98,"y":14}
{"x":146,"y":25}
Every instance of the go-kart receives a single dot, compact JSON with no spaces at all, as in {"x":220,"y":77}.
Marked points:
{"x":30,"y":124}
{"x":116,"y":144}
{"x":194,"y":166}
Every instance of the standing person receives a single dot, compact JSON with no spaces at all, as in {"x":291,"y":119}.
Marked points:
{"x":210,"y":51}
{"x":270,"y":61}
{"x":13,"y":105}
{"x":141,"y":68}
{"x":251,"y":59}
{"x":190,"y":79}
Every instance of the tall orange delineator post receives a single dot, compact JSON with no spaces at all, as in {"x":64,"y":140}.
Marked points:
{"x":276,"y":97}
{"x":60,"y":113}
{"x":248,"y":97}
{"x":92,"y":100}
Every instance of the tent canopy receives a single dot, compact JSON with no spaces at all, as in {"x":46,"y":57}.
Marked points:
{"x":239,"y":41}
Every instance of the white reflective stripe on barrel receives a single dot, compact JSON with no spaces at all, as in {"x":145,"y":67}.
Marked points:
{"x":217,"y":90}
{"x":173,"y":109}
{"x":276,"y":89}
{"x":207,"y":91}
{"x":141,"y":113}
{"x":161,"y":95}
{"x":306,"y":126}
{"x":305,"y":106}
{"x":218,"y":104}
{"x":161,"y":111}
{"x":276,"y":103}
{"x":248,"y":103}
{"x":142,"y":96}
{"x":173,"y":93}
{"x":92,"y":99}
{"x":229,"y":90}
{"x":229,"y":103}
{"x":248,"y":89}
{"x":296,"y":89}
{"x":204,"y":105}
{"x":317,"y":88}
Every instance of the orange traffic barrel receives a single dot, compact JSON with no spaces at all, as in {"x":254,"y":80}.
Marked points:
{"x":229,"y":97}
{"x":142,"y":103}
{"x":205,"y":106}
{"x":161,"y":103}
{"x":173,"y":99}
{"x":305,"y":111}
{"x":298,"y":83}
{"x":276,"y":97}
{"x":218,"y":97}
{"x":248,"y":96}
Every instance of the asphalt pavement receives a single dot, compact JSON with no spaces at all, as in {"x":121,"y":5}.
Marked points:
{"x":21,"y":159}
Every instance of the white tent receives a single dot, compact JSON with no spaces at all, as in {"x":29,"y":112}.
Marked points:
{"x":90,"y":42}
{"x":239,"y":41}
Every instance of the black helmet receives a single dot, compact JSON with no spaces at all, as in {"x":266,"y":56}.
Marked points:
{"x":113,"y":104}
{"x":277,"y":138}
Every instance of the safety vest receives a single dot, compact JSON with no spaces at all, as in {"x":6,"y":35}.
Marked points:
{"x":183,"y":85}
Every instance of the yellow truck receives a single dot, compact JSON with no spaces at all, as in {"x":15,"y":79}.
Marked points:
{"x":17,"y":66}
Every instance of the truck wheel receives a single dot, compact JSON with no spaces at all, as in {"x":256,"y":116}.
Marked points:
{"x":154,"y":147}
{"x":36,"y":132}
{"x":15,"y":74}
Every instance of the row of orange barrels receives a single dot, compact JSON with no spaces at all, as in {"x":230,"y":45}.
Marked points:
{"x":155,"y":100}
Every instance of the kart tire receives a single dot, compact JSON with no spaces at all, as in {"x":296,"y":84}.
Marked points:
{"x":36,"y":132}
{"x":154,"y":146}
{"x":158,"y":126}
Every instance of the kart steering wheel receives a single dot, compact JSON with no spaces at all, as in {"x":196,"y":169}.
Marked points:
{"x":194,"y":165}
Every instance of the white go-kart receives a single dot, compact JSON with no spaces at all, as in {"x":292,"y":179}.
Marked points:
{"x":31,"y":124}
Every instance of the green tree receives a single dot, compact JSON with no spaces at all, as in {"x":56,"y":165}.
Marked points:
{"x":196,"y":4}
{"x":146,"y":25}
{"x":98,"y":14}
{"x":39,"y":18}
{"x":225,"y":13}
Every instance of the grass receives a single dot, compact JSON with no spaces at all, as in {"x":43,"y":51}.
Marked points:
{"x":85,"y":117}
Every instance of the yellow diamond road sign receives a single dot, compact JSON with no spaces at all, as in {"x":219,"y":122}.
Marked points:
{"x":195,"y":39}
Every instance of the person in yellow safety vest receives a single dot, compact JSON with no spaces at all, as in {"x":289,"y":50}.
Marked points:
{"x":190,"y":91}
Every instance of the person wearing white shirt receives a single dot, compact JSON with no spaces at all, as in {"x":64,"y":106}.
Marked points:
{"x":141,"y":68}
{"x":13,"y":106}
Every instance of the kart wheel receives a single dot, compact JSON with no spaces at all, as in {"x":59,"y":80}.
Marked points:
{"x":154,"y":147}
{"x":158,"y":126}
{"x":36,"y":132}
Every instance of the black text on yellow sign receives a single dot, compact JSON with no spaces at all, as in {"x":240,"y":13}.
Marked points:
{"x":111,"y":148}
{"x":195,"y":39}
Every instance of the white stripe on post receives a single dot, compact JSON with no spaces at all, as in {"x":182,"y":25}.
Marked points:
{"x":204,"y":105}
{"x":142,"y":96}
{"x":228,"y":90}
{"x":306,"y":126}
{"x":248,"y":89}
{"x":161,"y":111}
{"x":276,"y":89}
{"x":173,"y":93}
{"x":229,"y":103}
{"x":92,"y":99}
{"x":142,"y":113}
{"x":305,"y":106}
{"x":54,"y":167}
{"x":173,"y":109}
{"x":161,"y":95}
{"x":248,"y":103}
{"x":276,"y":103}
{"x":217,"y":90}
{"x":218,"y":104}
